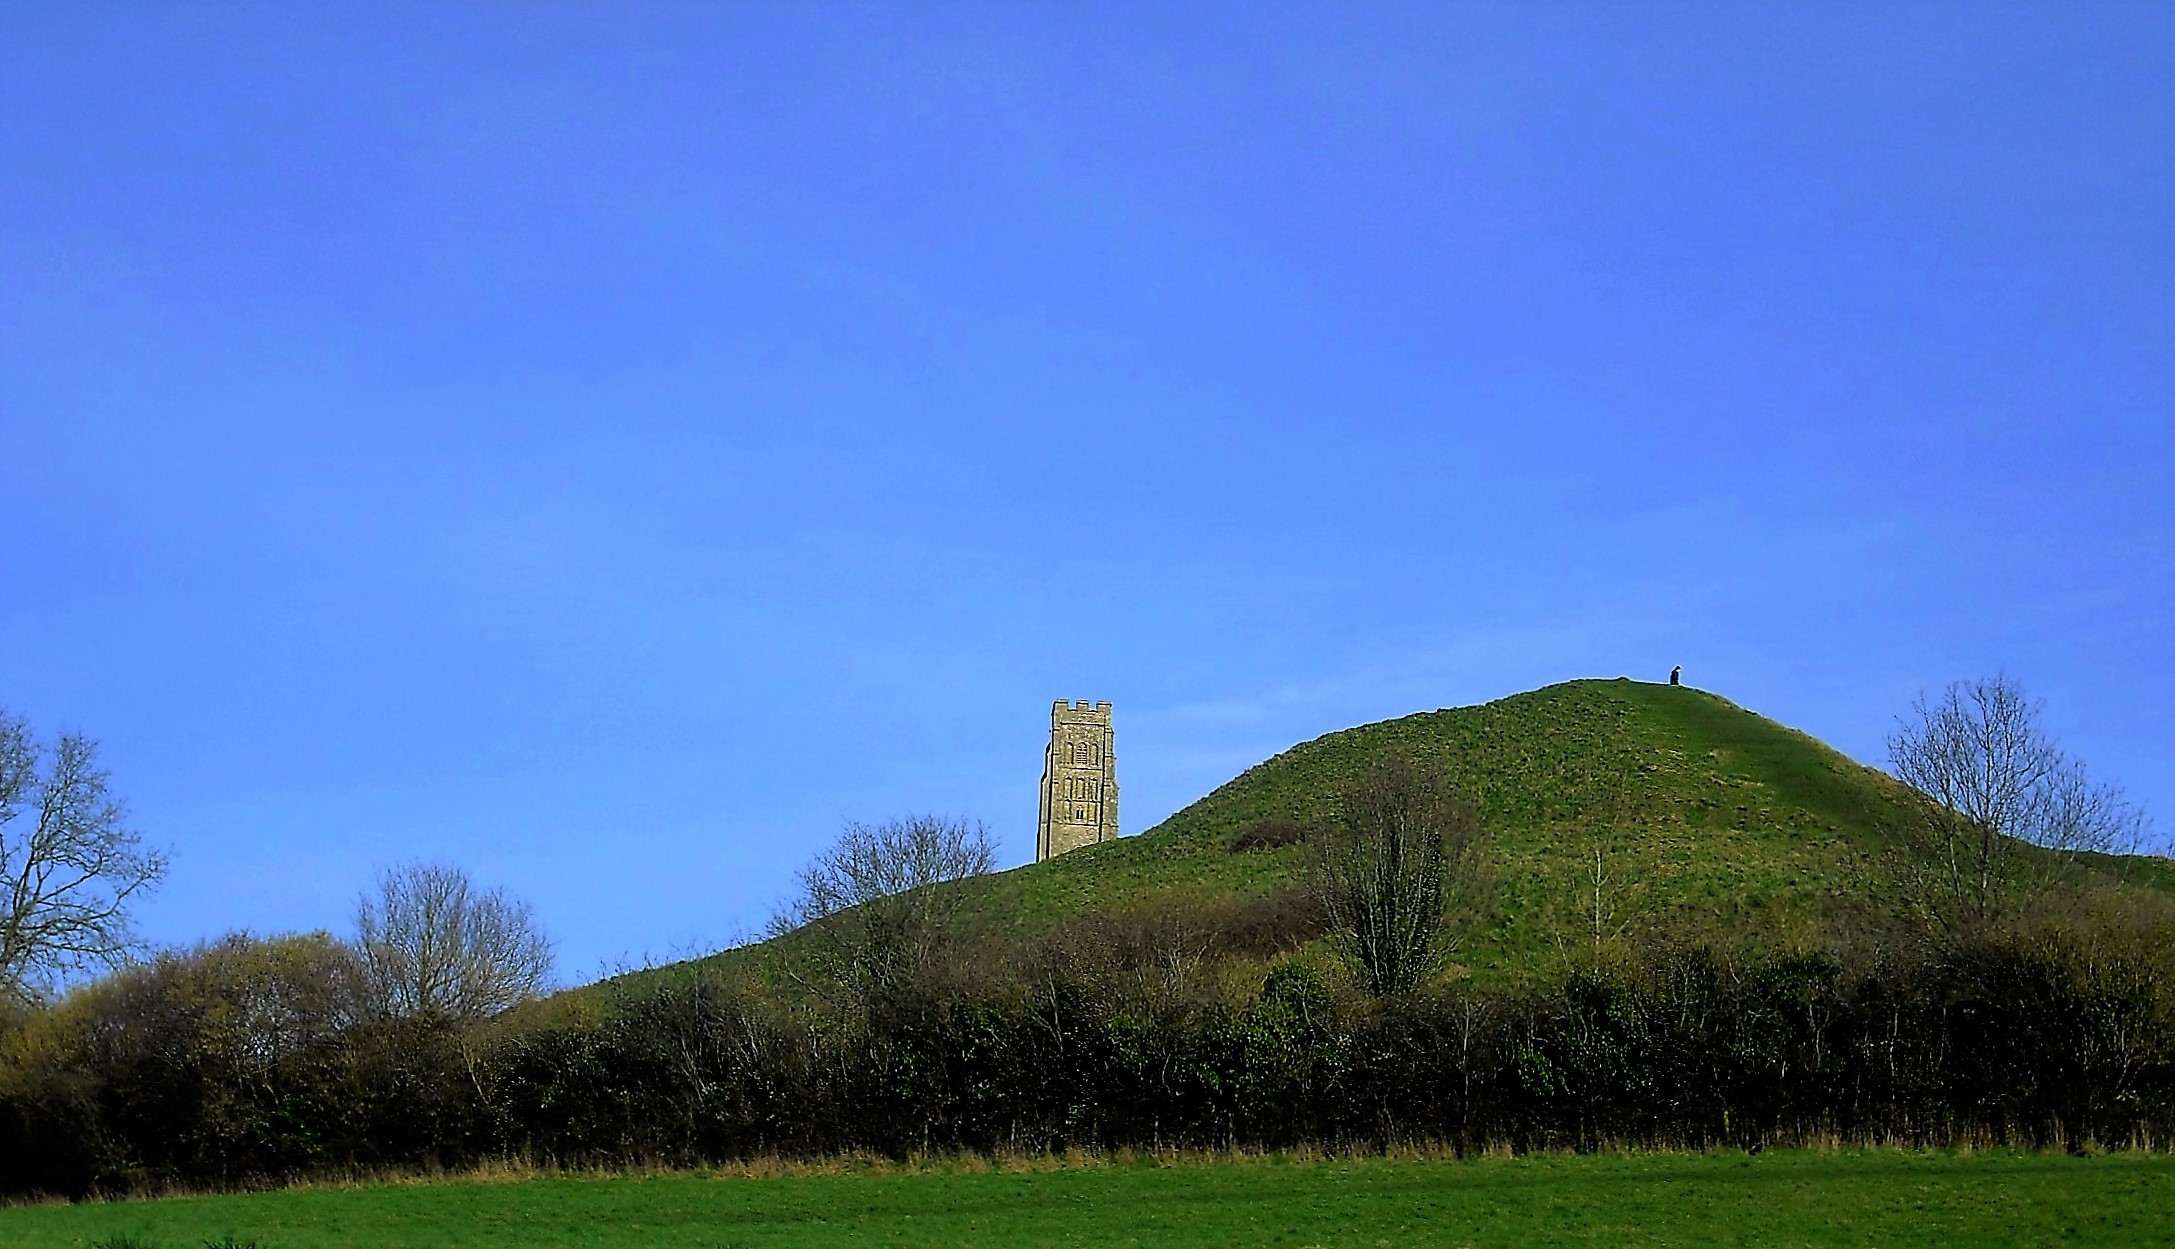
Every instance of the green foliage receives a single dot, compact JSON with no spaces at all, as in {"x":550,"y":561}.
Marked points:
{"x":241,"y":1059}
{"x":1130,"y":1037}
{"x":1883,"y":1197}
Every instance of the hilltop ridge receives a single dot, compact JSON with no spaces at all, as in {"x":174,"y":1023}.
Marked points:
{"x":1616,"y":809}
{"x":1703,"y":813}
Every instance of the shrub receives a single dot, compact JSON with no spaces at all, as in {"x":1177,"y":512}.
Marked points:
{"x":1270,"y":834}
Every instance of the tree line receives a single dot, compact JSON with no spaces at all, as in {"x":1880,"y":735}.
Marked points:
{"x":430,"y":942}
{"x":1320,"y":1014}
{"x":239,"y":1063}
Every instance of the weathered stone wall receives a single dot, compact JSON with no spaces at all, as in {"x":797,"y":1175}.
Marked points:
{"x":1079,"y":780}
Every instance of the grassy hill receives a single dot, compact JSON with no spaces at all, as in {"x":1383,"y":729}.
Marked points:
{"x":1696,"y":816}
{"x":1154,"y":992}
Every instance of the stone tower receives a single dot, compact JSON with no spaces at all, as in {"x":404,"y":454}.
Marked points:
{"x":1079,"y":780}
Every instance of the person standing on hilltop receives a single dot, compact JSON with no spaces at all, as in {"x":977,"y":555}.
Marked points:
{"x":1676,"y":675}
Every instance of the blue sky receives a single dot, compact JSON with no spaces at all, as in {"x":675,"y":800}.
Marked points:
{"x":608,"y":446}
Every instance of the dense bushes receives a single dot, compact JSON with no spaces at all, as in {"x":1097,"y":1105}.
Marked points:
{"x":237,"y":1061}
{"x":245,"y":1061}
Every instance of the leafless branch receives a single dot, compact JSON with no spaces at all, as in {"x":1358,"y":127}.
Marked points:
{"x":883,"y":924}
{"x":1406,"y":844}
{"x":433,"y":945}
{"x":69,"y":864}
{"x":872,"y":861}
{"x":2008,"y":811}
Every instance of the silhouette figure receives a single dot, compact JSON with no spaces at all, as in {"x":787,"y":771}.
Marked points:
{"x":1676,"y":675}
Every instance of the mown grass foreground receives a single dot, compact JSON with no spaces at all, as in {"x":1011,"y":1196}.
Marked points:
{"x":1891,"y":1198}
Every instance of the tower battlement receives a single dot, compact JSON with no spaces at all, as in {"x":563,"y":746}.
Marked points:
{"x":1079,"y":779}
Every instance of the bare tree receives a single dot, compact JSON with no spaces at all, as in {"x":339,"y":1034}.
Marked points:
{"x":886,"y":924}
{"x":2008,"y":810}
{"x":1407,"y":846}
{"x":1604,"y":879}
{"x":69,"y":865}
{"x":893,"y":859}
{"x":1612,"y":893}
{"x":432,"y":944}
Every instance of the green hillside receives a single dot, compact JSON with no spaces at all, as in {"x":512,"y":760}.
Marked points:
{"x":1701,"y":818}
{"x":1180,"y":989}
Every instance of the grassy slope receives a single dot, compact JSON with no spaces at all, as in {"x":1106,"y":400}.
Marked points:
{"x":1707,"y":818}
{"x":1782,"y":1198}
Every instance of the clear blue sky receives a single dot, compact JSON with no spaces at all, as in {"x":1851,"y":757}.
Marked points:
{"x":608,"y":445}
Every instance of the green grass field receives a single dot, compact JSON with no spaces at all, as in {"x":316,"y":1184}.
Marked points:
{"x":1783,"y":1198}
